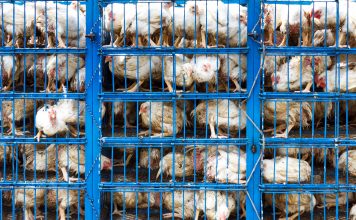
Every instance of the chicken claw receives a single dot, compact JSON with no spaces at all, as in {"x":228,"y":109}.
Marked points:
{"x":39,"y":135}
{"x":218,"y":136}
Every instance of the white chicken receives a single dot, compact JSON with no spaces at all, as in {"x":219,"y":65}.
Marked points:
{"x":295,"y":204}
{"x":227,"y":166}
{"x":340,"y":78}
{"x":234,"y":67}
{"x":64,"y":23}
{"x":228,"y":21}
{"x":17,"y":22}
{"x":78,"y":81}
{"x":68,"y":159}
{"x":58,"y":118}
{"x":183,"y":204}
{"x":136,"y":68}
{"x":272,"y":21}
{"x":114,"y":14}
{"x":16,"y":111}
{"x":122,"y":111}
{"x":144,"y":20}
{"x":183,"y":72}
{"x":206,"y":69}
{"x":353,"y":212}
{"x":324,"y":37}
{"x":35,"y":75}
{"x":183,"y":166}
{"x":286,"y":170}
{"x":215,"y":204}
{"x":185,"y":21}
{"x":328,"y":200}
{"x":282,"y":113}
{"x":62,"y":67}
{"x":11,"y":70}
{"x":158,"y":117}
{"x":29,"y":198}
{"x":72,"y":159}
{"x":349,"y":26}
{"x":322,"y":12}
{"x":347,"y":162}
{"x":228,"y":116}
{"x":291,"y":15}
{"x":294,"y":75}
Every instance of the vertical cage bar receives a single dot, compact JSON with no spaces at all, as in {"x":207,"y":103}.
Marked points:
{"x":253,"y":111}
{"x":92,"y":198}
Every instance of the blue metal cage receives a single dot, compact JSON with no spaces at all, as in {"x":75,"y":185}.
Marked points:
{"x":199,"y":109}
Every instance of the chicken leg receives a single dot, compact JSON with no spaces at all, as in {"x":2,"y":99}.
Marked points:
{"x":307,"y":88}
{"x":269,"y":41}
{"x":238,"y":87}
{"x":283,"y":42}
{"x":342,"y":40}
{"x":169,"y":85}
{"x":62,"y":214}
{"x":294,"y":216}
{"x":39,"y":135}
{"x":197,"y":215}
{"x":176,"y":44}
{"x":164,"y":134}
{"x":120,"y":164}
{"x":65,"y":174}
{"x":286,"y":132}
{"x":135,"y":86}
{"x":61,"y":43}
{"x":203,"y":39}
{"x":213,"y":133}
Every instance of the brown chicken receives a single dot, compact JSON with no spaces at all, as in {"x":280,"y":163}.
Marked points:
{"x":23,"y":108}
{"x":286,"y":112}
{"x":297,"y":203}
{"x":158,"y":118}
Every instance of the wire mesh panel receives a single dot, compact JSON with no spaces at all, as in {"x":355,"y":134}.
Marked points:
{"x":174,"y":118}
{"x":306,"y":105}
{"x":42,"y":109}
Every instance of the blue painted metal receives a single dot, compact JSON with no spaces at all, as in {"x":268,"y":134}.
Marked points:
{"x":253,"y":206}
{"x":93,"y":131}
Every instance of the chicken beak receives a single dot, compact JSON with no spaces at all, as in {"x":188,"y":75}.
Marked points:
{"x":108,"y":59}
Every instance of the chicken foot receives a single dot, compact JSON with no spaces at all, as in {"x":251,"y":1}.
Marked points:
{"x":135,"y":86}
{"x":39,"y":135}
{"x":307,"y":88}
{"x":121,"y":164}
{"x":269,"y":41}
{"x":169,"y":85}
{"x":197,"y":215}
{"x":279,"y":128}
{"x":62,"y":214}
{"x":120,"y":213}
{"x":170,"y":215}
{"x":213,"y":133}
{"x":61,"y":43}
{"x":286,"y":132}
{"x":66,"y":177}
{"x":294,"y":216}
{"x":283,"y":42}
{"x":164,"y":134}
{"x":238,"y":87}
